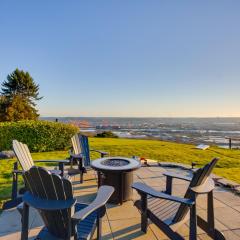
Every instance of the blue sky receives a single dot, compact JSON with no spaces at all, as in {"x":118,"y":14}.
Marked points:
{"x":126,"y":58}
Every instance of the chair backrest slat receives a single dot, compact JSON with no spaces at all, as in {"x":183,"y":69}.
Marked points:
{"x":23,"y":155}
{"x":199,"y":178}
{"x":67,"y":185}
{"x":41,"y":183}
{"x":28,"y":154}
{"x":29,"y":183}
{"x":58,"y":184}
{"x":76,"y":144}
{"x":37,"y":181}
{"x":85,"y":149}
{"x":50,"y":189}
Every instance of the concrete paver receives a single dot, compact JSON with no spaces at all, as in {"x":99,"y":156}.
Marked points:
{"x":126,"y":211}
{"x":229,"y":217}
{"x":123,"y":222}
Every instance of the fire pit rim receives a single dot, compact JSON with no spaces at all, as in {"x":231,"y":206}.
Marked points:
{"x":133,"y":164}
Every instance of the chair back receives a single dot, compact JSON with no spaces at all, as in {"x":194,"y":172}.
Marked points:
{"x":46,"y":186}
{"x":81,"y":145}
{"x":23,"y":155}
{"x":199,"y":178}
{"x":76,"y":144}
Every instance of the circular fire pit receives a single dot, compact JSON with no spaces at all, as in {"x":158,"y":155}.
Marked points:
{"x":116,"y":172}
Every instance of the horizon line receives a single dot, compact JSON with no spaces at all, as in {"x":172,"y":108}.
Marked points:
{"x":135,"y":117}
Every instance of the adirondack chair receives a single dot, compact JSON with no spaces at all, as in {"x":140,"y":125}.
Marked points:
{"x":169,"y":212}
{"x":63,"y":217}
{"x":81,"y":153}
{"x":25,"y":159}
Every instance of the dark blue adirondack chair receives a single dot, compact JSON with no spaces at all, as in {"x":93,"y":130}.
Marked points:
{"x":63,"y":217}
{"x":81,"y":153}
{"x":25,"y":159}
{"x":169,"y":212}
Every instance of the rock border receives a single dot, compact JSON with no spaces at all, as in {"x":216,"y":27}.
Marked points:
{"x":7,"y":154}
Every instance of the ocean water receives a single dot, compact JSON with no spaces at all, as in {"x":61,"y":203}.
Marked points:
{"x":190,"y":130}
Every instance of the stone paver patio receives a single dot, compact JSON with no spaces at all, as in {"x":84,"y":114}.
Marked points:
{"x":123,"y":222}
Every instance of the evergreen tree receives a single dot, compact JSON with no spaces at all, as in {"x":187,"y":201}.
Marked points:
{"x":19,"y":93}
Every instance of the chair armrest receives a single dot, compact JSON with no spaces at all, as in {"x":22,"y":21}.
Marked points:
{"x":145,"y":189}
{"x":104,"y":193}
{"x":45,"y":204}
{"x":77,"y":156}
{"x":17,"y":171}
{"x":20,"y":208}
{"x":207,"y":187}
{"x":53,"y":161}
{"x":99,"y":151}
{"x":177,"y":176}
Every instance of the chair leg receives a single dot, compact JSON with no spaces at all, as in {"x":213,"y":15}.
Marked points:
{"x":69,"y":227}
{"x":210,"y":212}
{"x":81,"y":175}
{"x":99,"y":176}
{"x":169,"y":185}
{"x":71,"y":162}
{"x":25,"y":216}
{"x":204,"y":225}
{"x":14,"y":186}
{"x":99,"y":228}
{"x":193,"y":223}
{"x":15,"y":182}
{"x":81,"y":168}
{"x":101,"y":212}
{"x":211,"y":223}
{"x":61,"y":168}
{"x":144,"y":217}
{"x":15,"y":200}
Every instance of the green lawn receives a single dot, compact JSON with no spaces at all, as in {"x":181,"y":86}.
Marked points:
{"x":228,"y":166}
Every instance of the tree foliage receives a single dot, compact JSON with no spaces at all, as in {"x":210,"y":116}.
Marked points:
{"x":19,"y":93}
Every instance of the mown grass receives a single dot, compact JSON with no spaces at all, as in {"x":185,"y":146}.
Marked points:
{"x":228,"y":166}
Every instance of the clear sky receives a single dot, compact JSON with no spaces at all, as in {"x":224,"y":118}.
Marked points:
{"x":126,"y":58}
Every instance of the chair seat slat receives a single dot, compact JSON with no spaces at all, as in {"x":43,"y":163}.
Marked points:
{"x":165,"y":209}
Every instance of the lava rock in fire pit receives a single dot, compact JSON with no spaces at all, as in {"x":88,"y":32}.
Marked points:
{"x":115,"y":162}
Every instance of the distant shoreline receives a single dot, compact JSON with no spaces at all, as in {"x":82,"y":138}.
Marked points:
{"x":210,"y":131}
{"x":46,"y":117}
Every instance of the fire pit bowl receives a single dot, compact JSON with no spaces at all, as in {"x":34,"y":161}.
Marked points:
{"x":116,"y":172}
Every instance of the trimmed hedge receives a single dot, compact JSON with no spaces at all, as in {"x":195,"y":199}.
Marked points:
{"x":40,"y":136}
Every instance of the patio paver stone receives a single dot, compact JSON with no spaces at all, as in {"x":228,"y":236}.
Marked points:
{"x":123,"y":222}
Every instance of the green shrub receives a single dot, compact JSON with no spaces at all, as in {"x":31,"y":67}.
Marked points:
{"x":106,"y":134}
{"x":40,"y":136}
